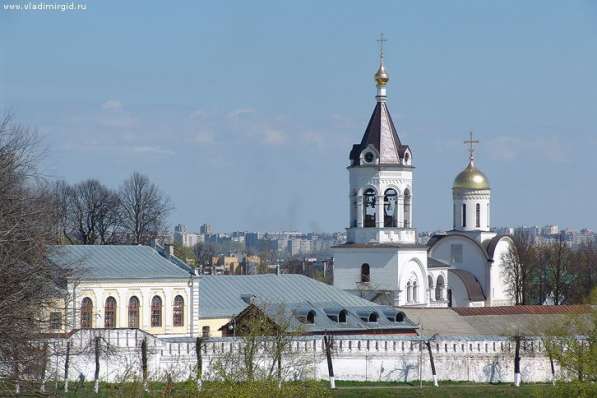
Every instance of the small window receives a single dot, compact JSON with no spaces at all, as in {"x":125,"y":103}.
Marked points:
{"x":205,"y":331}
{"x":178,"y":313}
{"x":478,"y":215}
{"x":365,"y":273}
{"x":456,"y":253}
{"x":55,"y":320}
{"x":110,"y":313}
{"x":342,"y":316}
{"x":156,"y":311}
{"x":464,"y":214}
{"x":369,"y":157}
{"x":373,"y":317}
{"x":134,"y":312}
{"x":86,"y":313}
{"x":311,"y":317}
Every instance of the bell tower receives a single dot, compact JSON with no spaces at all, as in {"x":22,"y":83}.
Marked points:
{"x":381,"y":176}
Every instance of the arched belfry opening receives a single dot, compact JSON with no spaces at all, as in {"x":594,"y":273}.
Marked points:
{"x":369,"y":211}
{"x":390,"y":208}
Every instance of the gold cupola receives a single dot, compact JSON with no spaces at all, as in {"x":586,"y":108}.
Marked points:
{"x":471,"y":178}
{"x":381,"y":76}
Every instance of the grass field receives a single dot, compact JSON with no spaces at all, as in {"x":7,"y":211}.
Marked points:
{"x":344,"y":389}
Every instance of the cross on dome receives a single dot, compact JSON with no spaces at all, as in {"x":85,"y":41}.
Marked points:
{"x":471,"y":142}
{"x":381,"y":41}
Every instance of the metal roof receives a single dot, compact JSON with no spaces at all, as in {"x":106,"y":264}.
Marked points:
{"x":471,"y":284}
{"x":98,"y":262}
{"x":221,"y":296}
{"x":382,"y":135}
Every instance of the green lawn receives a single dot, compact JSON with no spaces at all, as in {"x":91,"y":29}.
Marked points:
{"x":445,"y":391}
{"x":344,"y":389}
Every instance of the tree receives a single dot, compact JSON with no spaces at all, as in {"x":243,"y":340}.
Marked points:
{"x":204,"y":252}
{"x":28,"y":282}
{"x":559,"y":258}
{"x":88,"y":212}
{"x":144,"y":209}
{"x":584,"y":269}
{"x":573,"y":343}
{"x":520,"y":262}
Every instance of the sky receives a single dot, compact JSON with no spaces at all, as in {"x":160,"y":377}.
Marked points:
{"x":244,"y":113}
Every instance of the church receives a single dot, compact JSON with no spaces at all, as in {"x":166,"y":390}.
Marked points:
{"x":381,"y":259}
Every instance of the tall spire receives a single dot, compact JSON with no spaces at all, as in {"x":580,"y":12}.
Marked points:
{"x":381,"y":76}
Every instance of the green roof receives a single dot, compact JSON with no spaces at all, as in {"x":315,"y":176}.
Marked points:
{"x":98,"y":262}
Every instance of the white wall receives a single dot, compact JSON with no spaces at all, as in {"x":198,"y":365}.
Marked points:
{"x":145,"y":290}
{"x":373,"y":358}
{"x":383,"y":266}
{"x":473,"y":257}
{"x":498,"y":293}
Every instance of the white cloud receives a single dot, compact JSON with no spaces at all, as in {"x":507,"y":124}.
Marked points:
{"x":508,"y":148}
{"x":197,"y":114}
{"x":152,"y":149}
{"x":313,"y":138}
{"x":112,"y":105}
{"x":204,"y":137}
{"x":239,"y":112}
{"x":274,"y":137}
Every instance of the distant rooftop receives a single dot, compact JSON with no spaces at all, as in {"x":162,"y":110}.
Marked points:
{"x":225,"y":296}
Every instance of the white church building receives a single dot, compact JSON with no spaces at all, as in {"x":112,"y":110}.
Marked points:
{"x":381,"y":259}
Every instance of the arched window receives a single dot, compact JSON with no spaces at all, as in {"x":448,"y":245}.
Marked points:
{"x":205,"y":331}
{"x":415,"y":292}
{"x":86,"y":313}
{"x":134,"y":312}
{"x":178,"y":314}
{"x":439,"y":288}
{"x":369,"y":208}
{"x":342,"y":316}
{"x":406,"y":158}
{"x":406,"y":217}
{"x":409,"y":292}
{"x":156,"y":311}
{"x":311,"y":317}
{"x":390,"y":209}
{"x":464,"y":214}
{"x":365,"y":273}
{"x":478,"y":215}
{"x":110,"y":313}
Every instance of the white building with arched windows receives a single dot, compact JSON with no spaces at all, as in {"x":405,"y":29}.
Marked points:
{"x":381,"y":259}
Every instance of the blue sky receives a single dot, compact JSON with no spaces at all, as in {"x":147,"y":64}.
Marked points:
{"x":244,"y":112}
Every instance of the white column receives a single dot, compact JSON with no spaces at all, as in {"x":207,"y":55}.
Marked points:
{"x":379,"y":211}
{"x":360,"y":218}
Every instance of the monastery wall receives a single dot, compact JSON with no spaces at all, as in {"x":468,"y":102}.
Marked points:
{"x":363,"y":358}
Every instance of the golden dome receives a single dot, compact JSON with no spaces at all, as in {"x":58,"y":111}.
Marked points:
{"x":381,"y":76}
{"x":471,"y":178}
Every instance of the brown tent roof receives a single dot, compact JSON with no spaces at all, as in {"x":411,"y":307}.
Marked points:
{"x":382,"y":135}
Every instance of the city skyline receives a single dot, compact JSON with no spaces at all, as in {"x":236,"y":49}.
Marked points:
{"x":245,"y":119}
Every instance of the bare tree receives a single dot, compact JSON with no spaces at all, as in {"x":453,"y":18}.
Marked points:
{"x":204,"y":252}
{"x":559,"y":257}
{"x":144,"y":209}
{"x":520,"y":261}
{"x":29,"y":284}
{"x":88,"y":212}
